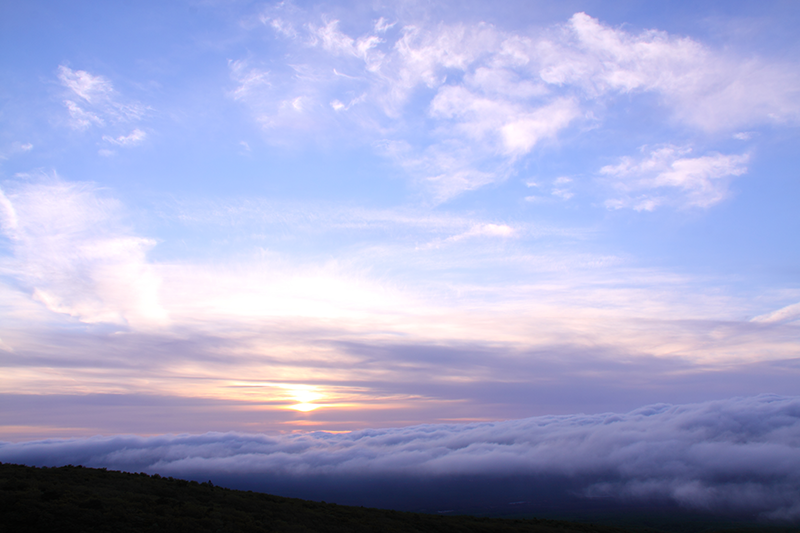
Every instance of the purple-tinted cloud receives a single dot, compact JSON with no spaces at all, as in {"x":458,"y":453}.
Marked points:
{"x":740,"y":455}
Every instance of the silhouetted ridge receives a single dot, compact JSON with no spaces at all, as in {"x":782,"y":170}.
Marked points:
{"x":74,"y":498}
{"x":79,"y":499}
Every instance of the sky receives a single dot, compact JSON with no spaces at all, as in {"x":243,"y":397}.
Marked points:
{"x":264,"y":219}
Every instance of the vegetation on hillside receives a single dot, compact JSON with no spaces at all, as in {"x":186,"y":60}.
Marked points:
{"x":74,"y":498}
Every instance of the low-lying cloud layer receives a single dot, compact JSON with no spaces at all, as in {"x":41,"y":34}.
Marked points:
{"x":739,"y":455}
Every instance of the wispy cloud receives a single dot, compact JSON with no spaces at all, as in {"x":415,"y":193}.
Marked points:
{"x":93,"y":101}
{"x":15,"y":148}
{"x":664,"y":176}
{"x":705,"y":88}
{"x":789,"y":313}
{"x":492,"y":97}
{"x":133,"y":138}
{"x":73,"y":254}
{"x":92,"y":89}
{"x":82,"y":119}
{"x":489,"y":230}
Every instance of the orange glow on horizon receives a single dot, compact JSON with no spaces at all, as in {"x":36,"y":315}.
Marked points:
{"x":305,"y":407}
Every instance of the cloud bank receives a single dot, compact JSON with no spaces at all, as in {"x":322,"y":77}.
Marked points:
{"x":736,"y":456}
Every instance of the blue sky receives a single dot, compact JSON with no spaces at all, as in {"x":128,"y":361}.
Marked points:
{"x":271,"y":217}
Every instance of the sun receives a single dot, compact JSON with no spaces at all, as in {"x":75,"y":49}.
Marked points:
{"x":305,"y":395}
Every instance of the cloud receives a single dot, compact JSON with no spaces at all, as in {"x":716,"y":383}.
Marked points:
{"x":513,"y":129}
{"x":82,"y":119}
{"x":71,"y":251}
{"x":467,"y":102}
{"x":478,"y":230}
{"x":15,"y":148}
{"x":735,"y":455}
{"x":483,"y":309}
{"x":666,"y":177}
{"x":90,"y":88}
{"x":490,"y":230}
{"x":705,"y":88}
{"x":481,"y":124}
{"x":97,"y":102}
{"x":133,"y":138}
{"x":250,"y":80}
{"x":71,"y":248}
{"x":789,"y":313}
{"x":336,"y":42}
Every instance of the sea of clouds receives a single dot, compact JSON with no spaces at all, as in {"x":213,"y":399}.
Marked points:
{"x":738,"y":456}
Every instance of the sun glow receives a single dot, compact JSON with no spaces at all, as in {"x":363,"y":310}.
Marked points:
{"x":304,"y":407}
{"x":305,"y":396}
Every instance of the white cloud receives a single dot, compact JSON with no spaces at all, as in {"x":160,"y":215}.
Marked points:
{"x":133,"y":138}
{"x":281,"y":26}
{"x":90,"y":88}
{"x":10,"y":219}
{"x":600,"y":59}
{"x":98,"y":103}
{"x":488,"y":116}
{"x":665,"y":177}
{"x":490,"y":230}
{"x":478,"y":230}
{"x":72,"y":253}
{"x":446,"y":169}
{"x":497,"y":95}
{"x":422,"y":55}
{"x":560,"y":189}
{"x":282,"y":113}
{"x":789,"y":313}
{"x":15,"y":148}
{"x":564,"y":194}
{"x":82,"y":119}
{"x":332,"y":40}
{"x":339,"y":106}
{"x":514,"y":128}
{"x":250,"y":80}
{"x":739,"y":453}
{"x":706,"y":88}
{"x":523,"y":133}
{"x":537,"y":199}
{"x":382,"y":25}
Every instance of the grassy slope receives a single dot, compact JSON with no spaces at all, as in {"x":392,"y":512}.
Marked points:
{"x":92,"y":500}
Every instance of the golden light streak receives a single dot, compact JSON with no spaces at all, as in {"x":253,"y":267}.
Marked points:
{"x":304,"y":407}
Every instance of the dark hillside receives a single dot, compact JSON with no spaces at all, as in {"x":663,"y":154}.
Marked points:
{"x":74,"y":498}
